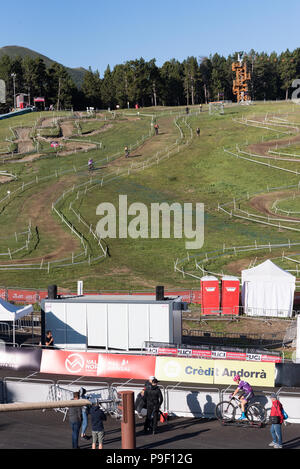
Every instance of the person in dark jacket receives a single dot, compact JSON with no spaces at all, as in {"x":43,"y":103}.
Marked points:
{"x":97,"y":417}
{"x":75,"y":417}
{"x":148,"y":383}
{"x":140,"y":403}
{"x":154,"y":399}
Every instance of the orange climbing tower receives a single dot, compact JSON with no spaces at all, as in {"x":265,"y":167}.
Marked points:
{"x":240,"y":84}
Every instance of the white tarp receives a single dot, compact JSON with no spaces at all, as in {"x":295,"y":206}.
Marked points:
{"x":10,"y":312}
{"x":268,"y":290}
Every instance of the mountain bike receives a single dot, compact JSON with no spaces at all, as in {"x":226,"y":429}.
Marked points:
{"x":230,"y":411}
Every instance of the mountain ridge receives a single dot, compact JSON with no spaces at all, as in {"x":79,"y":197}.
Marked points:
{"x":76,"y":73}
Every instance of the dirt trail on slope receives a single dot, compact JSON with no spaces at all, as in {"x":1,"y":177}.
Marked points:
{"x":262,"y":148}
{"x":263,"y":203}
{"x":39,"y":211}
{"x":24,"y":142}
{"x":4,"y":179}
{"x":38,"y":207}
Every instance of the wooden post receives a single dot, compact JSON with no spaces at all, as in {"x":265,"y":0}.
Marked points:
{"x":128,"y":420}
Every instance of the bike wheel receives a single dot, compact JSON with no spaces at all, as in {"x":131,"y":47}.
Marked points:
{"x":256,"y":413}
{"x":225,"y":410}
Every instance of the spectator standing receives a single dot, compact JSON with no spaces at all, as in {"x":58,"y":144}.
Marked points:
{"x":75,"y":417}
{"x":198,"y":131}
{"x":140,"y":403}
{"x":85,"y":413}
{"x":154,"y":400}
{"x":156,"y":127}
{"x":97,"y":417}
{"x":276,"y":419}
{"x":148,"y":383}
{"x":49,"y":340}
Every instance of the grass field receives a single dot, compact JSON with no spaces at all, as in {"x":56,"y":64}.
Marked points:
{"x":197,"y":170}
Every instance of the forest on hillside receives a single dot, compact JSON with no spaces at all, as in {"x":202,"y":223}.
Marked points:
{"x":175,"y":83}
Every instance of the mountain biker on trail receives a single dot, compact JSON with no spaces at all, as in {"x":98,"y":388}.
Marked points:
{"x":246,"y":395}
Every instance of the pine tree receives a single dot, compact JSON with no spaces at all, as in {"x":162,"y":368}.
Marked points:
{"x":91,"y":88}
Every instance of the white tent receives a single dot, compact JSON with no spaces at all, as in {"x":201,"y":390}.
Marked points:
{"x":268,"y":290}
{"x":10,"y":312}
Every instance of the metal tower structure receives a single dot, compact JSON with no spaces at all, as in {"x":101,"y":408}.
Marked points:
{"x":242,"y":77}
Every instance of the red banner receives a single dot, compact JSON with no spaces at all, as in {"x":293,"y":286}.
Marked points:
{"x":69,"y":363}
{"x":3,"y":293}
{"x":220,"y":354}
{"x":33,"y":296}
{"x":97,"y":364}
{"x":22,"y":296}
{"x":126,"y":366}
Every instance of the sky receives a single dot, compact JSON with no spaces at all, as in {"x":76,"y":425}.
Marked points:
{"x":98,"y":33}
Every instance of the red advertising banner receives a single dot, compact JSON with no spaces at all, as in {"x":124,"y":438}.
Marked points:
{"x":33,"y":296}
{"x":42,"y":295}
{"x":98,"y":364}
{"x":22,"y":296}
{"x":69,"y":363}
{"x":126,"y":366}
{"x":19,"y":359}
{"x":220,"y":354}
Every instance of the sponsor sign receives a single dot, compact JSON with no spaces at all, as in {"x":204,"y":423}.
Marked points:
{"x":19,"y":359}
{"x":69,"y":363}
{"x":3,"y":293}
{"x":215,"y":354}
{"x":97,"y":364}
{"x":186,"y":370}
{"x":257,"y":374}
{"x":189,"y":296}
{"x":222,"y":371}
{"x":125,"y":366}
{"x":22,"y":296}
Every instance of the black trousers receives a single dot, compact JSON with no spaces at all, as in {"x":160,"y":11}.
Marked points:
{"x":151,"y":418}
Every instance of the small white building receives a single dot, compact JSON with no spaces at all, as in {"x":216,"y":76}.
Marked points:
{"x":112,"y":322}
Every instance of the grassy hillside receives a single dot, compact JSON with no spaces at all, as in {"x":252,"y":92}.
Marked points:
{"x":76,"y":74}
{"x":197,"y":171}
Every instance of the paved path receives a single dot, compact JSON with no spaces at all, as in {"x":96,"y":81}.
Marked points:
{"x":47,"y":430}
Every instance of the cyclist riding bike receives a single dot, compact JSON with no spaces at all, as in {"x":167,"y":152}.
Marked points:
{"x":246,"y":394}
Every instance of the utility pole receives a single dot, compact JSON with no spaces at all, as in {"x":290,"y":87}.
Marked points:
{"x":13,"y":75}
{"x":58,"y":96}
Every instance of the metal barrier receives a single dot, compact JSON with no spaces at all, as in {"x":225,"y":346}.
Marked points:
{"x":106,"y":395}
{"x":5,"y":328}
{"x":179,"y":399}
{"x":34,"y":382}
{"x":56,"y":393}
{"x":192,"y":401}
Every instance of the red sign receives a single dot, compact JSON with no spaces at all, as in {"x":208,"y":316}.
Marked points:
{"x":3,"y":293}
{"x":97,"y":364}
{"x":198,"y":353}
{"x":22,"y":296}
{"x":69,"y":363}
{"x":126,"y":366}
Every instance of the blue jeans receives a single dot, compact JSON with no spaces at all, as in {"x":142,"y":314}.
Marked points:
{"x":75,"y":433}
{"x":84,"y":422}
{"x":276,"y":433}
